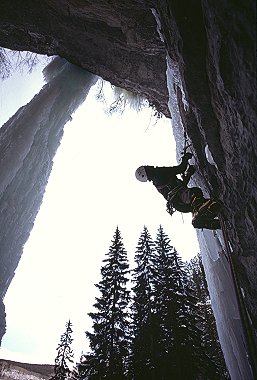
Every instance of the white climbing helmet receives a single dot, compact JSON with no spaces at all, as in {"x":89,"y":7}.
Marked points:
{"x":141,"y":174}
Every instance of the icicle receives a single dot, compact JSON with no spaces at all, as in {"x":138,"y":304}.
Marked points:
{"x":174,"y":81}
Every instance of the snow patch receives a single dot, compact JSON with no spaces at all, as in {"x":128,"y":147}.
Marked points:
{"x":157,"y":18}
{"x":209,"y":157}
{"x":18,"y":375}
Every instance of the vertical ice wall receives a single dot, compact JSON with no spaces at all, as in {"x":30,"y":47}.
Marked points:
{"x":216,"y":265}
{"x":28,"y":143}
{"x":224,"y":303}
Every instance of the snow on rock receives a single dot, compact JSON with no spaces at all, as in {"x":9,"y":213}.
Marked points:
{"x":10,"y":370}
{"x":208,"y":156}
{"x":157,"y":18}
{"x":28,"y":143}
{"x":18,"y":375}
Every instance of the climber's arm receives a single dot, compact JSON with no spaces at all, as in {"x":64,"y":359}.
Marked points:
{"x":181,"y":168}
{"x":188,"y":174}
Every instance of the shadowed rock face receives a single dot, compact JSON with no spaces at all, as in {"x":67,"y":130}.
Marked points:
{"x":212,"y":44}
{"x":2,"y":319}
{"x":116,"y":39}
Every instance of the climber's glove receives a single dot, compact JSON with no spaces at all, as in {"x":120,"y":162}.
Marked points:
{"x":187,"y":156}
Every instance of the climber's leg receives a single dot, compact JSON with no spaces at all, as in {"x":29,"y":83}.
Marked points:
{"x":210,"y":224}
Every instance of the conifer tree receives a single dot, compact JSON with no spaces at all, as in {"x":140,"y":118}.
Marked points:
{"x":144,"y":346}
{"x":179,"y":338}
{"x":109,"y":341}
{"x":77,"y":372}
{"x":167,"y":284}
{"x":64,"y":355}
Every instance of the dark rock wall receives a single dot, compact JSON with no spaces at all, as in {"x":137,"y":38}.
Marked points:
{"x":117,"y":40}
{"x":212,"y":43}
{"x":2,"y":319}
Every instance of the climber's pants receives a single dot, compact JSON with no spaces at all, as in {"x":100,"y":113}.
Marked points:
{"x":188,"y":194}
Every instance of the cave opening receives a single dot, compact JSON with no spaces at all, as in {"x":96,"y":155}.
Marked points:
{"x":91,"y":190}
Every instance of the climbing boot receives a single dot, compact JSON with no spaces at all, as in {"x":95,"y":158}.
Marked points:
{"x":209,"y":224}
{"x":207,"y":207}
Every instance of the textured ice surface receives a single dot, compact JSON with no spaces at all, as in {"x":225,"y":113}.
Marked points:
{"x":28,"y":143}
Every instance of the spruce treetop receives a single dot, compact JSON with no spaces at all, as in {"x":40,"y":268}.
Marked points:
{"x":64,"y":354}
{"x":109,"y":339}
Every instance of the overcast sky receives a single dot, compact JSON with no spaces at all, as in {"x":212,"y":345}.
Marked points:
{"x":92,"y":189}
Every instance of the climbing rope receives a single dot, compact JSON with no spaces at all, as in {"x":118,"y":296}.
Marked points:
{"x":187,"y":144}
{"x":246,"y":322}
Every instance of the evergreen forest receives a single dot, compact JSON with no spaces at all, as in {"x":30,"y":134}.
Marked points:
{"x":150,"y":322}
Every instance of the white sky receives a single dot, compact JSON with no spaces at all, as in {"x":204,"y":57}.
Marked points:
{"x":92,"y":189}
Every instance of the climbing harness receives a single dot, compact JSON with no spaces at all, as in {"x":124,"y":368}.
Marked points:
{"x":174,"y":192}
{"x":169,"y":205}
{"x":170,"y":208}
{"x":171,"y":195}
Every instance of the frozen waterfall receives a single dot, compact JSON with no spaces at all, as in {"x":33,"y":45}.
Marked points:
{"x":28,"y":143}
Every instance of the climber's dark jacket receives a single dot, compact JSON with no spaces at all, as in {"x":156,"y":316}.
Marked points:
{"x":165,"y":180}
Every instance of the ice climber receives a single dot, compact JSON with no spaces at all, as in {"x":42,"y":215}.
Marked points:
{"x":178,"y":195}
